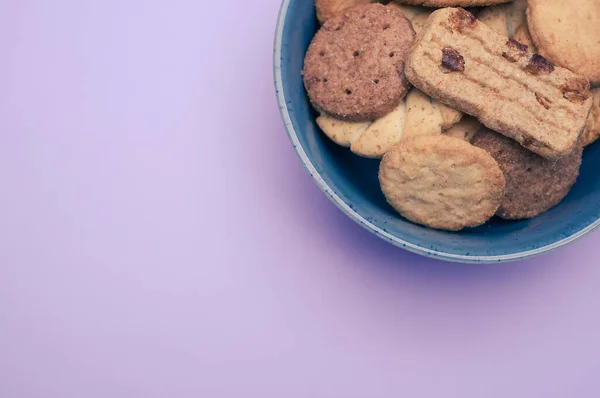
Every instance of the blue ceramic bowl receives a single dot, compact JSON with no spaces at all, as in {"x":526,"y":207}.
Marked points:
{"x":351,"y":182}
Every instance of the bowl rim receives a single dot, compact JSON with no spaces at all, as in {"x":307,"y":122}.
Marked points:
{"x":345,"y":207}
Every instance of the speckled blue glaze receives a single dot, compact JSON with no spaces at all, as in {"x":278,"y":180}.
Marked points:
{"x":351,"y":182}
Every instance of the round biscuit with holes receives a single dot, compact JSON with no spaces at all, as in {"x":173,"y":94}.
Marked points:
{"x":354,"y":66}
{"x":441,"y":182}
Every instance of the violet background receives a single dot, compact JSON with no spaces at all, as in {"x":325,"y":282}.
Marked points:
{"x":160,"y":238}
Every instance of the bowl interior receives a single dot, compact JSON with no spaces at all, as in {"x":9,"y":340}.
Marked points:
{"x":352,"y":181}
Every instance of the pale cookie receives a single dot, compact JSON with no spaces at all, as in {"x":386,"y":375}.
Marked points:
{"x":451,"y":3}
{"x":450,"y":116}
{"x":466,"y":129}
{"x":354,"y":67}
{"x":328,"y":8}
{"x":592,"y":128}
{"x":340,"y":131}
{"x":533,"y":184}
{"x":418,"y":22}
{"x":373,"y":140}
{"x":410,"y":12}
{"x":441,"y":182}
{"x":567,"y":32}
{"x":465,"y":64}
{"x":382,"y":135}
{"x":504,"y":18}
{"x":522,"y":36}
{"x":423,"y":116}
{"x":495,"y":17}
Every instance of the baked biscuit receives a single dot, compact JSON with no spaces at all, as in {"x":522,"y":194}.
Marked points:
{"x":533,"y":184}
{"x":592,"y":128}
{"x":410,"y":12}
{"x":423,"y":116}
{"x":568,"y":34}
{"x":451,"y":3}
{"x":354,"y":67}
{"x":373,"y":140}
{"x":466,"y":129}
{"x":441,"y":182}
{"x":328,"y":8}
{"x":382,"y":135}
{"x":340,"y":131}
{"x":522,"y":36}
{"x":465,"y":64}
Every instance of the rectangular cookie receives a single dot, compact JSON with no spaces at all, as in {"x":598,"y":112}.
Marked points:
{"x":467,"y":65}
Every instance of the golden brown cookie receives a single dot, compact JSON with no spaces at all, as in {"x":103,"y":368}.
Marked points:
{"x":451,"y":3}
{"x":533,"y":184}
{"x":592,"y":128}
{"x":568,"y":34}
{"x":441,"y":182}
{"x":328,"y":8}
{"x":465,"y":64}
{"x":354,"y":67}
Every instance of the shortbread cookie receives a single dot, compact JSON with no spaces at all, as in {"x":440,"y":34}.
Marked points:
{"x":592,"y":128}
{"x":495,"y":17}
{"x":354,"y":67}
{"x":441,"y":182}
{"x":466,"y":129}
{"x":410,"y":12}
{"x":451,"y":3}
{"x":373,"y":140}
{"x":465,"y":64}
{"x":382,"y":135}
{"x":423,"y":115}
{"x":328,"y":8}
{"x":340,"y":131}
{"x":504,"y":18}
{"x":533,"y":184}
{"x":418,"y":22}
{"x":568,"y":34}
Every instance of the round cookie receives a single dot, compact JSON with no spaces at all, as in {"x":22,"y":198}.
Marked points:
{"x":328,"y":8}
{"x":568,"y":34}
{"x":441,"y":182}
{"x":533,"y":184}
{"x":354,"y":67}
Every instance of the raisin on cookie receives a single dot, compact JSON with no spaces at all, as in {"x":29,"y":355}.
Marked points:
{"x":568,"y":34}
{"x":467,"y":65}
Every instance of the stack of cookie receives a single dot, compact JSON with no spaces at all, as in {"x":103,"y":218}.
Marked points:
{"x":394,"y":81}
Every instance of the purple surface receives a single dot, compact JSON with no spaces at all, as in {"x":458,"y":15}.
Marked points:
{"x":160,"y":238}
